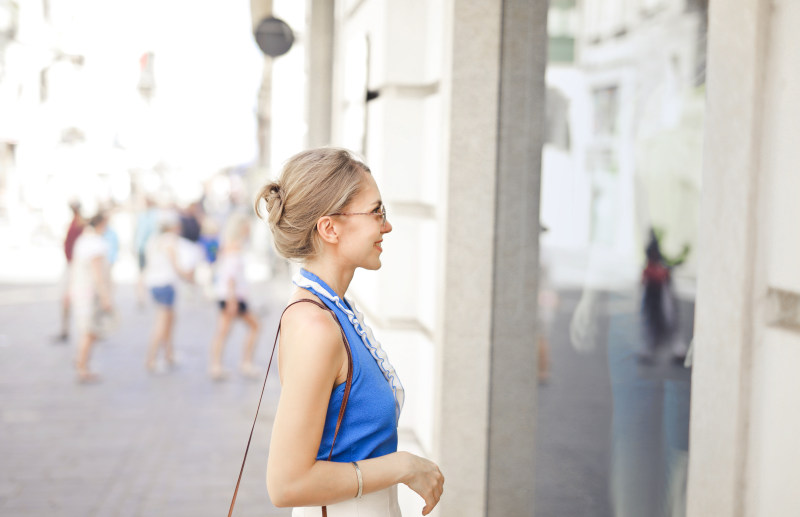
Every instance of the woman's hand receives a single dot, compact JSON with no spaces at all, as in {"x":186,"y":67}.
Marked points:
{"x":424,"y":477}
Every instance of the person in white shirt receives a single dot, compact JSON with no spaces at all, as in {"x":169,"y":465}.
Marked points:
{"x":90,"y":290}
{"x":162,"y":272}
{"x":231,"y":290}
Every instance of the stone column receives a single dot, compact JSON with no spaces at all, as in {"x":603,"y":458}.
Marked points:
{"x":512,"y":403}
{"x":743,"y":456}
{"x":723,"y":326}
{"x":487,"y":391}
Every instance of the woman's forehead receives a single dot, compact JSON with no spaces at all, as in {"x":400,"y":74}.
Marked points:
{"x":368,"y":193}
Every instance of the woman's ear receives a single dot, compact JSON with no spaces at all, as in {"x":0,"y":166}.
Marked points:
{"x":327,"y":230}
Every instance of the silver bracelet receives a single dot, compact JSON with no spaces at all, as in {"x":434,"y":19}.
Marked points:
{"x":360,"y":480}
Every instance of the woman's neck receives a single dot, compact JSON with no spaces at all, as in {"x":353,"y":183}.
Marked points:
{"x":337,"y":278}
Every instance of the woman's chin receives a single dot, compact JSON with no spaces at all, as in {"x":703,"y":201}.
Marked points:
{"x":373,"y":265}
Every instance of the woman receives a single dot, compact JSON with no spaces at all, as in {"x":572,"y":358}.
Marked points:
{"x":231,"y":291}
{"x":162,"y":272}
{"x":326,"y":211}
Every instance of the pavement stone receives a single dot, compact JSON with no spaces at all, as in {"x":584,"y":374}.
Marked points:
{"x":134,"y":444}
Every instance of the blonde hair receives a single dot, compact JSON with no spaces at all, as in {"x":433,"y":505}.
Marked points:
{"x":312,"y":184}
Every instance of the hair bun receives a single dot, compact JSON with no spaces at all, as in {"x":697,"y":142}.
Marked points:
{"x":274,"y":201}
{"x":311,"y":184}
{"x":272,"y":195}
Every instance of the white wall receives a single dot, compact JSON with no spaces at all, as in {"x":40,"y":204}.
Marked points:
{"x":403,"y":147}
{"x":773,"y":444}
{"x":744,"y":451}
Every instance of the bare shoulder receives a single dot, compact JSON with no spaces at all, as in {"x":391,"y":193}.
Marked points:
{"x":307,"y":327}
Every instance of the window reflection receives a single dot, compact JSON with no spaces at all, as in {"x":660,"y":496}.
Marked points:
{"x":620,"y":204}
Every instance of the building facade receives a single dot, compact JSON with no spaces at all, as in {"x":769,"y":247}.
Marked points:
{"x":453,"y":136}
{"x":446,"y":99}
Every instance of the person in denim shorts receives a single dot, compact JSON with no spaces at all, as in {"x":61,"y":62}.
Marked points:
{"x":162,"y":272}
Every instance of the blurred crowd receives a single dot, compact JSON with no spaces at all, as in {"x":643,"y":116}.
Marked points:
{"x":172,"y":245}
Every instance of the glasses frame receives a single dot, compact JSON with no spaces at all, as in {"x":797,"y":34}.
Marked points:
{"x":382,"y":213}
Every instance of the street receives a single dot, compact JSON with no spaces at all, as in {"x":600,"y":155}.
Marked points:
{"x":134,"y":444}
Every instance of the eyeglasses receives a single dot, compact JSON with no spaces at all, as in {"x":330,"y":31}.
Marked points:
{"x":381,"y":212}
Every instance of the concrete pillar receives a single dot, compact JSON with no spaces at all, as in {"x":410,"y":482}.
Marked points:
{"x":320,"y":72}
{"x":512,"y":403}
{"x":471,"y":91}
{"x":744,"y":455}
{"x":487,"y":391}
{"x":724,"y":323}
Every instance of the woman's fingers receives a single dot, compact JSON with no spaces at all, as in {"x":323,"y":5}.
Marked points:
{"x":433,"y":497}
{"x":427,"y":481}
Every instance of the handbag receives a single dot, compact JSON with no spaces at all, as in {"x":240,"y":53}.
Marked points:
{"x":347,"y":386}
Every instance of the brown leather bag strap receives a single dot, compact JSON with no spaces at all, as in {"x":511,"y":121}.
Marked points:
{"x":346,"y":395}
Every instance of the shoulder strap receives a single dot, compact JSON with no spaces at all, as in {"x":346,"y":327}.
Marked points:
{"x":346,"y":395}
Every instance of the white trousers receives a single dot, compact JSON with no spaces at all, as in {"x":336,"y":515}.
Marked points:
{"x":382,"y":503}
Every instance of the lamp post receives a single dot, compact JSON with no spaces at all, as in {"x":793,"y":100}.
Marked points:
{"x":274,"y":37}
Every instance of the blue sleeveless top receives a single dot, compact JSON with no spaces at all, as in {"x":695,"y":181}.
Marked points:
{"x":369,"y":426}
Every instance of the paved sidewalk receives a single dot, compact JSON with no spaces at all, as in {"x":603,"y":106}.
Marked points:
{"x":163,"y":445}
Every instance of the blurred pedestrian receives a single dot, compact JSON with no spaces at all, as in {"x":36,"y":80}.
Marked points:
{"x":548,"y":301}
{"x":162,"y":272}
{"x":209,"y":239}
{"x":191,"y":221}
{"x":659,"y":306}
{"x":91,"y":292}
{"x":111,"y":237}
{"x":73,"y":232}
{"x":232,"y":296}
{"x":191,"y":253}
{"x":146,"y":226}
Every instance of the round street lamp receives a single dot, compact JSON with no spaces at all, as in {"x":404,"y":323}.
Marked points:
{"x":274,"y":36}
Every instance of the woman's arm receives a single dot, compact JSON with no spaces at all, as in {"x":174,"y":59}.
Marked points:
{"x":312,"y":361}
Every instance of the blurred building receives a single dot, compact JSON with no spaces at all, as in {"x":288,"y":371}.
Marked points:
{"x":629,"y":96}
{"x":104,"y":104}
{"x":645,"y":70}
{"x":57,"y":125}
